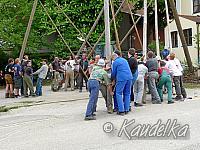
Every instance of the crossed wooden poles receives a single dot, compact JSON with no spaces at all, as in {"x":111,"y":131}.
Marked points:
{"x":114,"y":14}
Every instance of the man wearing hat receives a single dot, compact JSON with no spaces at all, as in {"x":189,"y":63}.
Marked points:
{"x":122,"y":75}
{"x":97,"y":76}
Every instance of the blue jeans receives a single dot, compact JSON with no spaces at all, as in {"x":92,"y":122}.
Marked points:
{"x":115,"y":101}
{"x":123,"y":92}
{"x":38,"y":91}
{"x":93,"y":87}
{"x":135,"y":76}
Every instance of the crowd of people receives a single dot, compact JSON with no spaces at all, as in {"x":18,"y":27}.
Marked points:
{"x":19,"y":78}
{"x":126,"y":80}
{"x":120,"y":81}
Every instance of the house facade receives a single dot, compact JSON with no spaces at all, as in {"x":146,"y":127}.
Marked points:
{"x":189,"y":11}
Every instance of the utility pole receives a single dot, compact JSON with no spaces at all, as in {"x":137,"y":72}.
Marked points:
{"x":145,"y":31}
{"x":28,"y":30}
{"x":180,"y":30}
{"x":107,"y":29}
{"x":156,"y":29}
{"x":168,"y":28}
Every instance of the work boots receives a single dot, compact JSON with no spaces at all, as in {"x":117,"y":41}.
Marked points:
{"x":7,"y":95}
{"x":110,"y":110}
{"x":12,"y":95}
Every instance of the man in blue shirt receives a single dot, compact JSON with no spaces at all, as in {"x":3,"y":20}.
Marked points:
{"x":122,"y":75}
{"x":17,"y":77}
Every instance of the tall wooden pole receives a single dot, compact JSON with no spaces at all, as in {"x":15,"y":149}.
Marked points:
{"x":145,"y":31}
{"x":28,"y":30}
{"x":180,"y":30}
{"x":90,"y":32}
{"x":115,"y":26}
{"x":168,"y":28}
{"x":136,"y":30}
{"x":156,"y":29}
{"x":107,"y":29}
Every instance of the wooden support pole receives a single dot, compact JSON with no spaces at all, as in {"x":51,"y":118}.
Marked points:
{"x":138,"y":35}
{"x":91,"y":30}
{"x":130,"y":30}
{"x":28,"y":29}
{"x":102,"y":34}
{"x":72,"y":23}
{"x":115,"y":26}
{"x":182,"y":37}
{"x":61,"y":36}
{"x":57,"y":29}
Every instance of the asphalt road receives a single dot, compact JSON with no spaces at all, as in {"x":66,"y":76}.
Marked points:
{"x":58,"y":124}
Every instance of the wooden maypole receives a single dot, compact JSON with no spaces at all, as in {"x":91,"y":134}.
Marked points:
{"x":107,"y":29}
{"x":156,"y":29}
{"x":145,"y":31}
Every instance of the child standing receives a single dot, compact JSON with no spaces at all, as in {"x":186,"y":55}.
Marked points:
{"x":165,"y":79}
{"x":27,"y":80}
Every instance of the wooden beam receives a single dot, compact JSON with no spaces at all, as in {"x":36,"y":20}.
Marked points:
{"x":182,"y":37}
{"x":28,"y":29}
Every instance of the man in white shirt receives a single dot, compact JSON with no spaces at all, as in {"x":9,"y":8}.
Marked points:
{"x":176,"y":71}
{"x":69,"y":73}
{"x":139,"y":84}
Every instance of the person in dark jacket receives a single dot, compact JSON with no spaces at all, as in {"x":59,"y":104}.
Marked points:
{"x":83,"y":73}
{"x":133,"y":64}
{"x":27,"y":80}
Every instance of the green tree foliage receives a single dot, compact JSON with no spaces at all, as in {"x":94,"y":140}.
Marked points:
{"x":14,"y":16}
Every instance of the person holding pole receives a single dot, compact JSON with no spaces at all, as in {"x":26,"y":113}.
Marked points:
{"x":97,"y":76}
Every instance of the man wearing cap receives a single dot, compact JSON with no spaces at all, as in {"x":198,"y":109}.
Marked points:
{"x":122,"y":75}
{"x":97,"y":76}
{"x":103,"y":87}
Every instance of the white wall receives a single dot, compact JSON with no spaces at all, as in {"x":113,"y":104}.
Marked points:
{"x":179,"y":50}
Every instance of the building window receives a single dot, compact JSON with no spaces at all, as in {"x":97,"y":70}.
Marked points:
{"x":188,"y":36}
{"x":196,"y":6}
{"x":174,"y":36}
